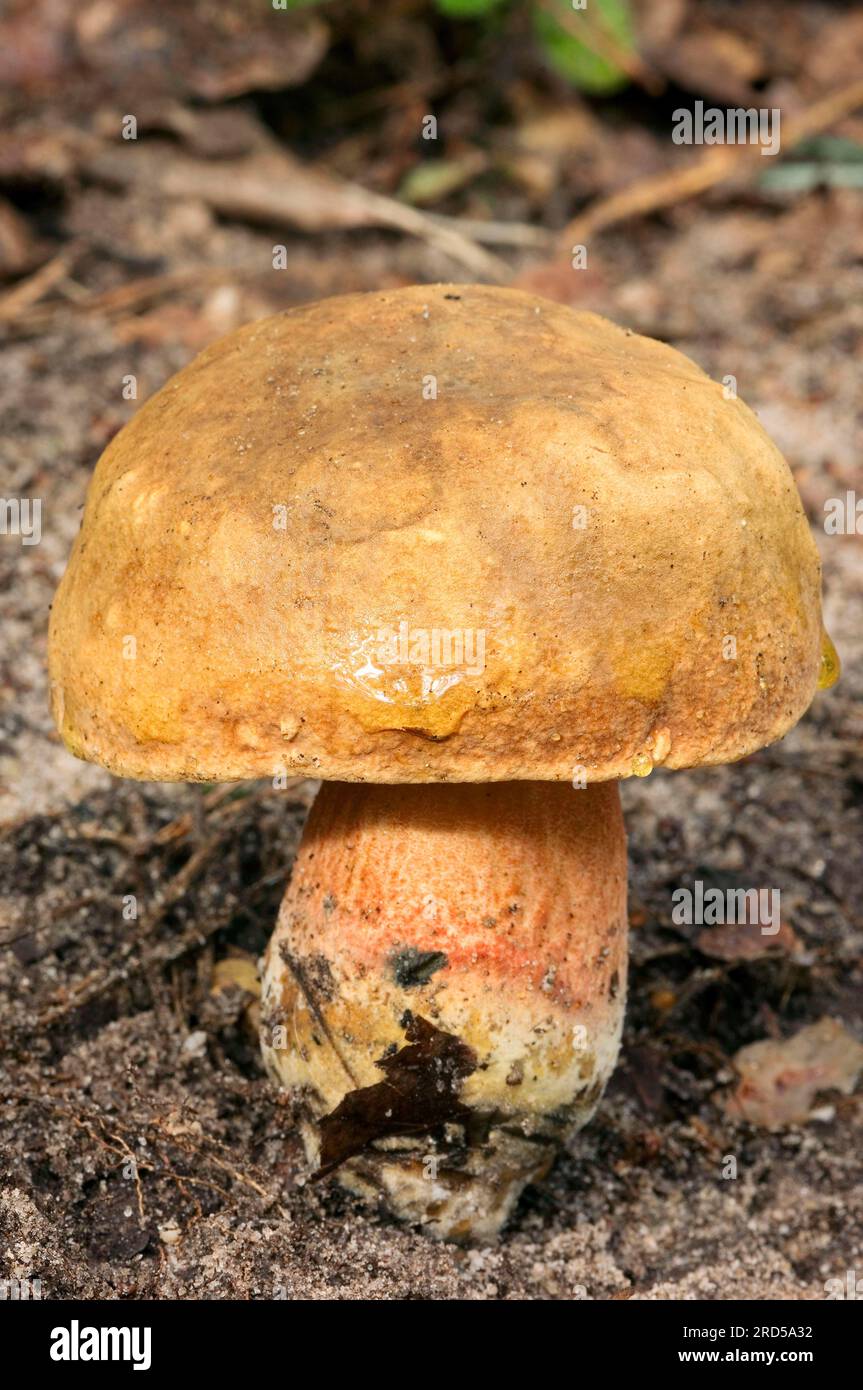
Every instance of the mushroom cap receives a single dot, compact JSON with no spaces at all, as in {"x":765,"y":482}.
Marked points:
{"x":443,"y":533}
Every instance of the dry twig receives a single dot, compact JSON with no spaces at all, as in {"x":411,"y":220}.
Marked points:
{"x":720,"y":164}
{"x":276,"y":189}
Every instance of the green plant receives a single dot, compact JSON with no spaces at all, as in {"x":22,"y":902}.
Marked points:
{"x":589,"y":44}
{"x":468,"y":9}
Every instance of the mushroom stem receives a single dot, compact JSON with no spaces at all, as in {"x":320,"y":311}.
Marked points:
{"x":445,"y":988}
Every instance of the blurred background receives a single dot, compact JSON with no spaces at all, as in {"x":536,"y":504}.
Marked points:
{"x":169,"y":171}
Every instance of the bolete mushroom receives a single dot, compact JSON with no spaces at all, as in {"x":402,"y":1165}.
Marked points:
{"x":469,"y":557}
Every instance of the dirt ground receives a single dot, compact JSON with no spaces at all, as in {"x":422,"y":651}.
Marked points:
{"x":142,"y":1151}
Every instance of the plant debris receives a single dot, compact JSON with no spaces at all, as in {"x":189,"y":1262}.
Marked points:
{"x":779,"y":1081}
{"x":419,"y":1093}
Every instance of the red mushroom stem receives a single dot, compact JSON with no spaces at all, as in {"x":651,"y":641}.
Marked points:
{"x":445,"y":987}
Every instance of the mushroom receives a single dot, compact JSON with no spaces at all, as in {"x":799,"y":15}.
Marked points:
{"x":470,"y":558}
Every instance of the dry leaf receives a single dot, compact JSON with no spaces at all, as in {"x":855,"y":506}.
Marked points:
{"x":420,"y":1092}
{"x":779,"y":1081}
{"x":236,"y":970}
{"x":746,"y":941}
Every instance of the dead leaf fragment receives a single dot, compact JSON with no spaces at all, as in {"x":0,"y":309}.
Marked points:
{"x":18,"y":252}
{"x":779,"y":1080}
{"x":212,"y":52}
{"x":420,"y":1092}
{"x":236,"y":970}
{"x":746,"y":941}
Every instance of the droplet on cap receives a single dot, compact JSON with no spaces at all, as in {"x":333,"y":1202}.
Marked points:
{"x":831,"y":667}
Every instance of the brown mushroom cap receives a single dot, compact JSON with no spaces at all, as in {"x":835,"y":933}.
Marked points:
{"x":612,"y":554}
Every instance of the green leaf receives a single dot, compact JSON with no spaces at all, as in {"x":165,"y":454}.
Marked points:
{"x":825,"y":161}
{"x":834,"y":149}
{"x":434,"y":179}
{"x":801,"y":177}
{"x":467,"y":9}
{"x":579,"y":60}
